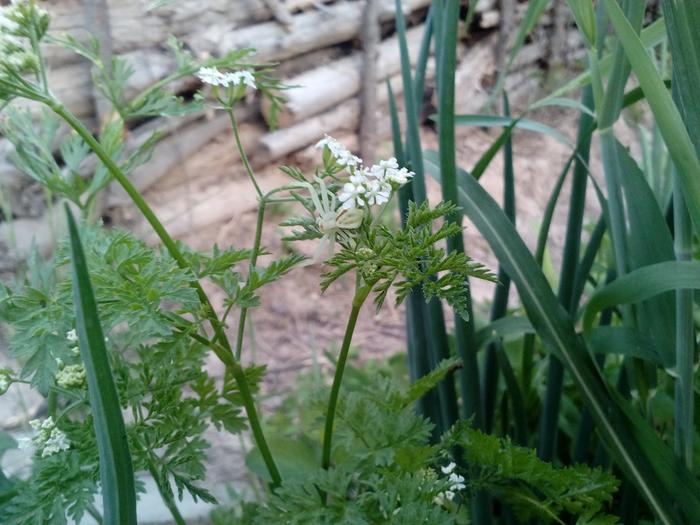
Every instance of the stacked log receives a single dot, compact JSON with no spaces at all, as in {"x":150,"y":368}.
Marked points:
{"x":311,"y":44}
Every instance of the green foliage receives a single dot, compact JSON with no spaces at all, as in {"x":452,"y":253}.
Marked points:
{"x":158,"y":368}
{"x":410,"y":257}
{"x":386,"y":471}
{"x":532,"y":487}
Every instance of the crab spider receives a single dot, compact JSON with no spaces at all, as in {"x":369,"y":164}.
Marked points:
{"x":330,"y":220}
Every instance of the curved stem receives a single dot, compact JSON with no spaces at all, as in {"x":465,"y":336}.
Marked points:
{"x":241,"y":151}
{"x":251,"y":268}
{"x":167,"y":498}
{"x":224,"y":352}
{"x":357,"y":302}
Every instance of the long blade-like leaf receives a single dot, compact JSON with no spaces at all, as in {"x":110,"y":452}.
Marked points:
{"x":646,"y":460}
{"x":664,"y":109}
{"x":657,"y":278}
{"x":116,"y":472}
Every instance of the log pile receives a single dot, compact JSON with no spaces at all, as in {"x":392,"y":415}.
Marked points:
{"x":315,"y":42}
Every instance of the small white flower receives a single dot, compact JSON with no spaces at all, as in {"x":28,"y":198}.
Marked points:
{"x":457,"y":482}
{"x":75,"y":350}
{"x":400,"y":176}
{"x":209,"y":75}
{"x":449,"y":468}
{"x":339,"y":152}
{"x":57,"y":442}
{"x":72,"y":336}
{"x":378,"y":192}
{"x":238,"y":78}
{"x":48,"y":439}
{"x":389,"y":164}
{"x":352,"y":193}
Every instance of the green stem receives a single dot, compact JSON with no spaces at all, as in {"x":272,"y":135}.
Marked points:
{"x":224,"y":352}
{"x":251,"y":268}
{"x":241,"y":151}
{"x":685,"y":334}
{"x":360,"y":296}
{"x":166,"y":496}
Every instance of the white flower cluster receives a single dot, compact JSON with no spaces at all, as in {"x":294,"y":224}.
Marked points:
{"x":15,"y":53}
{"x":366,"y":186}
{"x":214,"y":77}
{"x":47,"y":440}
{"x":456,"y":484}
{"x":339,"y":152}
{"x":71,"y":376}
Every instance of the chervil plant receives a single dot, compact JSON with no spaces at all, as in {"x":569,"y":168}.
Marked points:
{"x":345,"y":201}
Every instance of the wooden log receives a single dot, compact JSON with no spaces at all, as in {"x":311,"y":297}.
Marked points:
{"x":326,"y":86}
{"x":181,"y":19}
{"x":310,"y":30}
{"x":173,"y":150}
{"x":345,"y":117}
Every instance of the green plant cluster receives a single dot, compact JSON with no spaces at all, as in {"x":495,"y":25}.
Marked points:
{"x":387,"y":470}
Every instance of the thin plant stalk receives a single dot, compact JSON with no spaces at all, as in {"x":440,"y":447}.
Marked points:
{"x":464,"y":330}
{"x":572,"y":248}
{"x":357,"y":302}
{"x":431,"y":316}
{"x":224,"y":352}
{"x":681,"y":22}
{"x":499,"y":307}
{"x":446,"y":18}
{"x":415,"y":327}
{"x":685,"y":334}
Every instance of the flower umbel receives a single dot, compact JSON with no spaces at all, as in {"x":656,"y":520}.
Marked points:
{"x":71,"y":376}
{"x":214,"y":77}
{"x":48,"y":439}
{"x":19,"y":22}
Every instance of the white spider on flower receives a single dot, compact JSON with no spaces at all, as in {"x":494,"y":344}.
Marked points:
{"x":330,"y":219}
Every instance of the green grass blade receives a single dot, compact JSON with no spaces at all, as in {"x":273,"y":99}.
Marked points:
{"x":413,"y":143}
{"x":584,"y":15}
{"x":422,"y":61}
{"x":624,"y":341}
{"x":666,"y":113}
{"x":418,"y":365}
{"x":683,"y":20}
{"x":499,"y":307}
{"x":464,"y":330}
{"x":589,"y":255}
{"x":503,"y":328}
{"x":514,"y":393}
{"x":657,"y":278}
{"x":396,"y":135}
{"x":645,"y":459}
{"x":651,"y":36}
{"x":522,"y":123}
{"x":116,"y":471}
{"x":549,"y":421}
{"x":535,"y":8}
{"x":649,"y":241}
